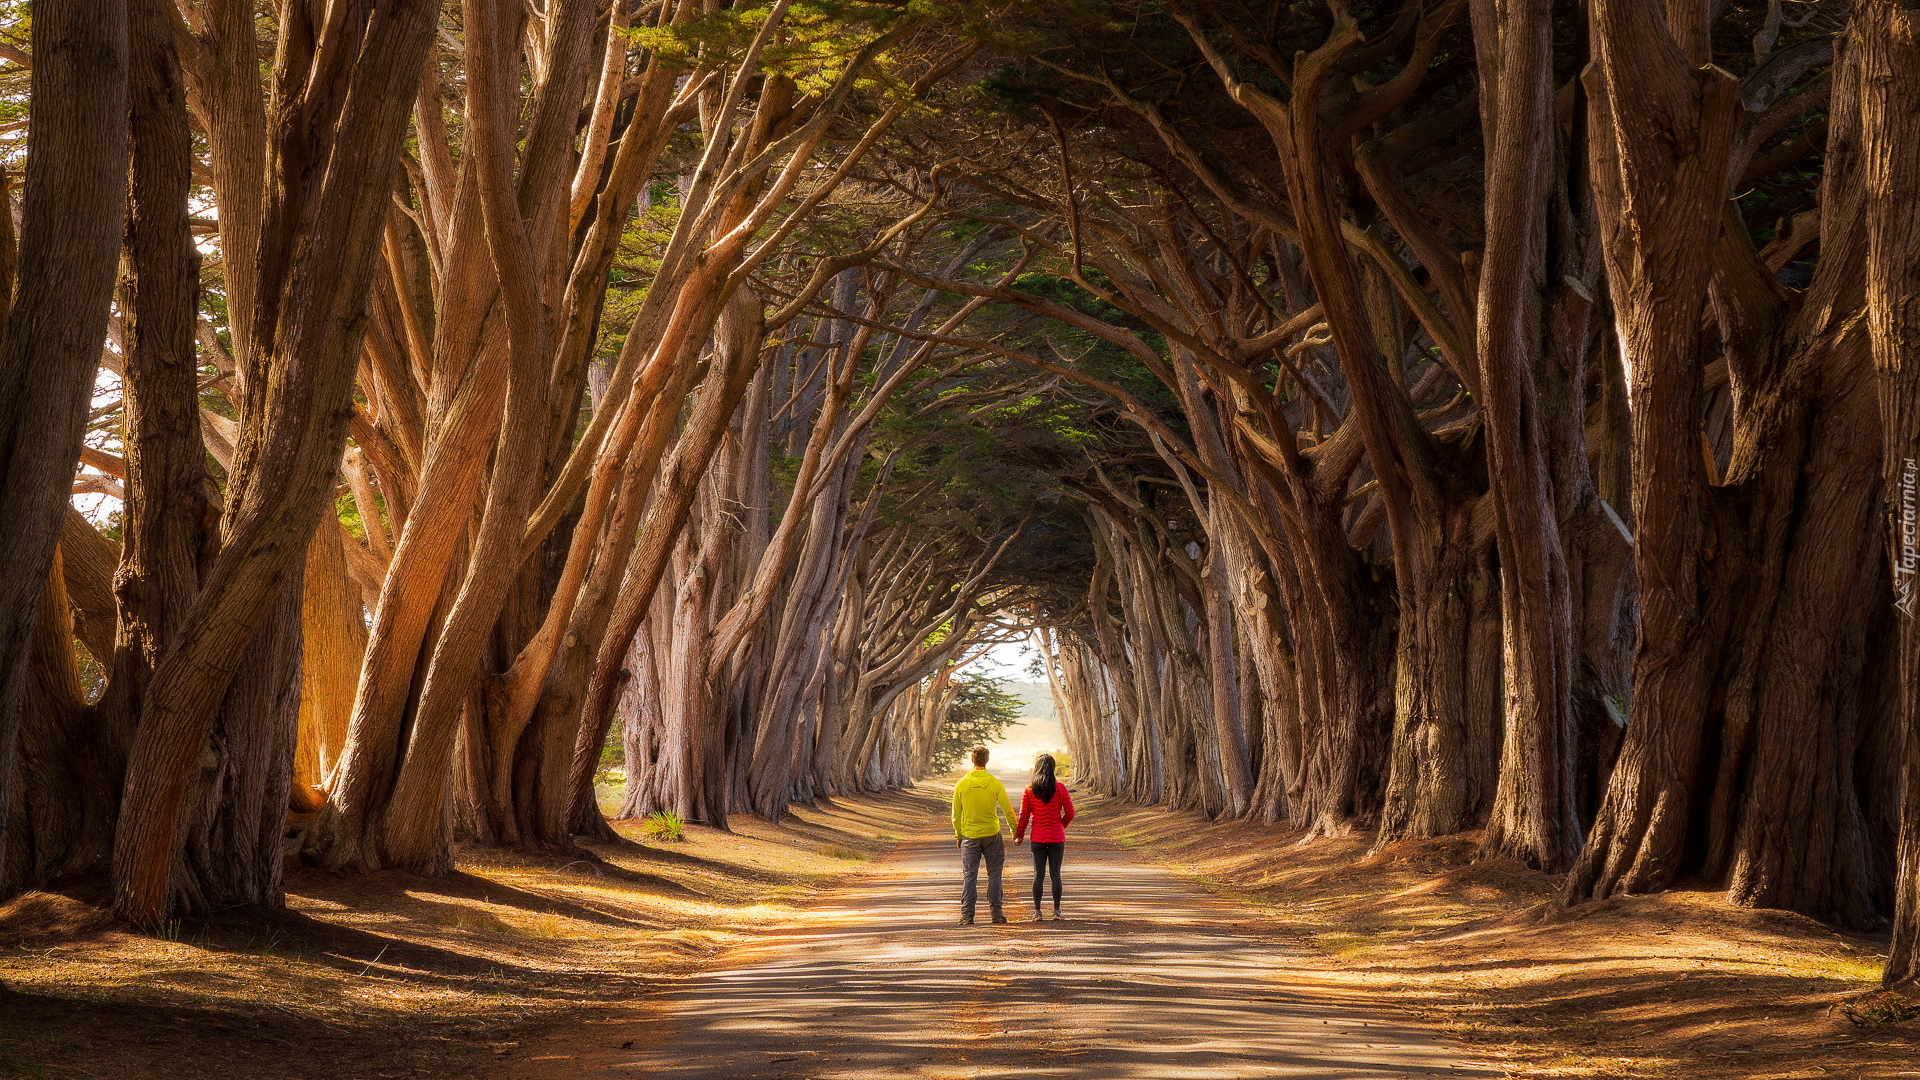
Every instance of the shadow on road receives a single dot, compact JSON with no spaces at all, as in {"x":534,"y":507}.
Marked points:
{"x":1146,"y":979}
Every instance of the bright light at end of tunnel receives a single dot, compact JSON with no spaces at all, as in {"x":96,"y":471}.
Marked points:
{"x":1038,"y":731}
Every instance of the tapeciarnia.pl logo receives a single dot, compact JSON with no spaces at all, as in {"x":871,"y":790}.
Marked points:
{"x":1906,"y":566}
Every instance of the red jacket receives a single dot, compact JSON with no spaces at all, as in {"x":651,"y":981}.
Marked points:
{"x":1050,"y":819}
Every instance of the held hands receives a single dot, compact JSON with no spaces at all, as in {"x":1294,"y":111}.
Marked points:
{"x":959,"y":844}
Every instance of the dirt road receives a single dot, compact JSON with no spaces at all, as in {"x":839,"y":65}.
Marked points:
{"x":1148,"y":977}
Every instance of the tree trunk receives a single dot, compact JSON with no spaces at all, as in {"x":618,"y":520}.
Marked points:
{"x":1339,"y":608}
{"x":1740,"y":757}
{"x":67,"y":784}
{"x":168,"y":518}
{"x":71,"y":218}
{"x":317,"y":256}
{"x":1662,"y":131}
{"x":237,"y":805}
{"x":333,"y":642}
{"x":1534,"y":817}
{"x":89,"y":560}
{"x":1886,"y":35}
{"x":1440,"y":781}
{"x":643,"y":731}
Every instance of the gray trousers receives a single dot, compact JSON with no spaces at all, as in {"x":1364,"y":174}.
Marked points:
{"x":972,"y":849}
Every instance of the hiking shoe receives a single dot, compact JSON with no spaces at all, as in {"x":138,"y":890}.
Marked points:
{"x":1037,"y":917}
{"x":999,"y":918}
{"x":966,"y":920}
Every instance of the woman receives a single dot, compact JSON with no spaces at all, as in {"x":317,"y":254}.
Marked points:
{"x":1049,"y":808}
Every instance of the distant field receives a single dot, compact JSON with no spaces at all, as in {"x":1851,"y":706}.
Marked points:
{"x":1038,"y":731}
{"x":1037,"y":695}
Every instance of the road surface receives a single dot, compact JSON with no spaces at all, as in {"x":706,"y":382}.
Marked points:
{"x":1148,"y":977}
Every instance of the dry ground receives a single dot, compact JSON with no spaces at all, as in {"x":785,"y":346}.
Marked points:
{"x":403,"y":976}
{"x":397,"y":975}
{"x":1680,"y":985}
{"x":1148,"y":977}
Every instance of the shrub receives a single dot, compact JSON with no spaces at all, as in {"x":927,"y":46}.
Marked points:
{"x":664,"y":825}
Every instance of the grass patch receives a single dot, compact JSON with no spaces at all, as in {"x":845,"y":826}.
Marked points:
{"x":1838,"y":967}
{"x":469,"y":919}
{"x":1349,"y":943}
{"x":664,"y":825}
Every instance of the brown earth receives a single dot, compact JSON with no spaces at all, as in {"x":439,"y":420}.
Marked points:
{"x":1147,"y":977}
{"x":520,"y":958}
{"x":1677,"y":985}
{"x":397,"y":975}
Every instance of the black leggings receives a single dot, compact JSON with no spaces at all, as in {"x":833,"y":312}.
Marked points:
{"x":1045,"y":857}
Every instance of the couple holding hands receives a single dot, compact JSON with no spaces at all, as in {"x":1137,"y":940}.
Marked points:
{"x":1044,"y":804}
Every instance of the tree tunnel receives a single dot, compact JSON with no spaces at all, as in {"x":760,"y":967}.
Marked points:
{"x":1383,"y":417}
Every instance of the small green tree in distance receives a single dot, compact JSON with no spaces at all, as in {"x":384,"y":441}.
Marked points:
{"x":977,"y":713}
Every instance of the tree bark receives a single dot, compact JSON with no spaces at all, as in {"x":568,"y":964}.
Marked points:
{"x":66,"y":784}
{"x":71,"y":217}
{"x":1886,"y":35}
{"x":168,"y":519}
{"x":1741,"y":758}
{"x":336,"y":147}
{"x":1662,"y":131}
{"x":333,"y":641}
{"x":1534,"y":816}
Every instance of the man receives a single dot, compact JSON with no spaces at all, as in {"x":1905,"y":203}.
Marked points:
{"x":976,"y":832}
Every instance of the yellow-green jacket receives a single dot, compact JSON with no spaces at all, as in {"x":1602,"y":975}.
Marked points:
{"x":974,"y":798}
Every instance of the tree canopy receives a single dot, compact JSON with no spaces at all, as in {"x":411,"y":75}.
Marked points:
{"x":1415,"y":417}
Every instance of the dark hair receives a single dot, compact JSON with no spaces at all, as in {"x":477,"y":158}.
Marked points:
{"x":979,"y":757}
{"x":1043,"y":784}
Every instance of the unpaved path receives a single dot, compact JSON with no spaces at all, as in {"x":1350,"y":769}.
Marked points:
{"x":1146,"y":978}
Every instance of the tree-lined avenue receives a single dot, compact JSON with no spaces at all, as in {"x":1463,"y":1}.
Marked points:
{"x":1148,"y":977}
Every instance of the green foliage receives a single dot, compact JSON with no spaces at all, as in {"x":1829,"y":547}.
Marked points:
{"x":1010,"y":89}
{"x":348,"y":511}
{"x":1062,"y":764}
{"x":611,"y":772}
{"x":664,"y":825}
{"x":977,"y":714}
{"x":816,"y":36}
